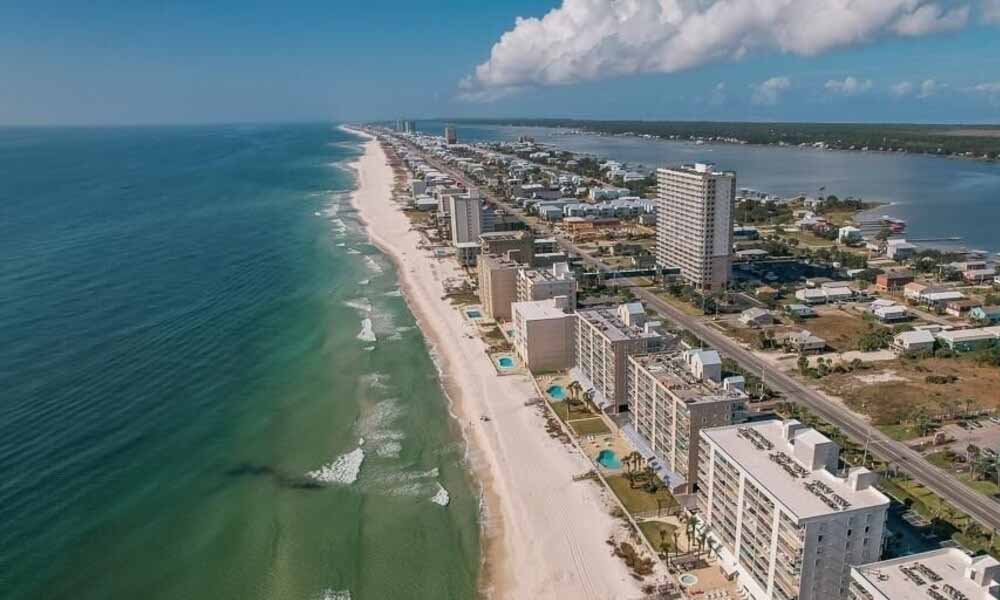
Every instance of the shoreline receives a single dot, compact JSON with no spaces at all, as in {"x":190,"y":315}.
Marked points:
{"x":543,"y":535}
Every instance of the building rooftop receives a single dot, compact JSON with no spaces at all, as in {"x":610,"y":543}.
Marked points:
{"x":671,"y":369}
{"x":541,"y":309}
{"x":607,"y":320}
{"x":504,"y":235}
{"x":557,"y":272}
{"x":775,"y":454}
{"x":943,"y":574}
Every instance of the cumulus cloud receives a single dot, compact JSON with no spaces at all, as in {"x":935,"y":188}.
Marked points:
{"x":931,"y":18}
{"x":584,"y":40}
{"x":767,"y":93}
{"x":903,"y":88}
{"x":849,"y":86}
{"x":929,"y":88}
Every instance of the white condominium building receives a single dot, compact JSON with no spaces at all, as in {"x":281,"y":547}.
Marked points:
{"x":542,"y":284}
{"x":605,"y":337}
{"x":466,"y":214}
{"x":785,"y":521}
{"x":694,"y":223}
{"x":544,"y":334}
{"x":942,"y":574}
{"x":672,"y":397}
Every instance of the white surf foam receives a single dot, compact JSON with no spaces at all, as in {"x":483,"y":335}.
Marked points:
{"x":373,"y":265}
{"x":394,"y":293}
{"x":344,"y":470}
{"x":332,"y":594}
{"x":367,"y":333}
{"x":363,"y":282}
{"x":352,"y":251}
{"x":341,"y":244}
{"x":361,"y":304}
{"x":441,"y":498}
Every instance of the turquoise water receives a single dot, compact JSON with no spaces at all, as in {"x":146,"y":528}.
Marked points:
{"x":188,"y":374}
{"x":505,"y":362}
{"x":474,"y":314}
{"x":608,"y":459}
{"x":556,"y":392}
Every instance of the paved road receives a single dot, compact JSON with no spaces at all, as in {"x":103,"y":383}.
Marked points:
{"x":980,"y":507}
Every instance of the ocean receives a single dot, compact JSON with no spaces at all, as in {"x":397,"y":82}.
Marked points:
{"x":210,"y":384}
{"x":938,"y":197}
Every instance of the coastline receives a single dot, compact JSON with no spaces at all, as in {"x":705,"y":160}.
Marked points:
{"x":543,"y":535}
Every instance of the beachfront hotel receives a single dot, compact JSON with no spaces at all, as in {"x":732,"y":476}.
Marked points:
{"x":542,"y":284}
{"x":694,"y":223}
{"x":516,"y":245}
{"x":503,"y":281}
{"x":605,"y":338}
{"x":786,"y":521}
{"x":544,"y":332}
{"x":672,"y":396}
{"x":497,"y":285}
{"x":942,"y":574}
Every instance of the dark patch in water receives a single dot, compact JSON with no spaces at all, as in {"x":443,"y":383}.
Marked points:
{"x":285,"y":481}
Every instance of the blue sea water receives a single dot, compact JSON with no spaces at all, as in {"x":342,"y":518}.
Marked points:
{"x":210,"y":386}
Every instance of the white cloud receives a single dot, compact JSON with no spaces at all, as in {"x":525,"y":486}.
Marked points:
{"x":584,"y":40}
{"x":903,"y":88}
{"x":992,"y":87}
{"x":768,"y":92}
{"x":990,"y":12}
{"x":931,"y":18}
{"x":929,"y":88}
{"x":849,"y":86}
{"x":718,"y":95}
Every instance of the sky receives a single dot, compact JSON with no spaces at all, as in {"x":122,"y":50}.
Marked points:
{"x":139,"y":62}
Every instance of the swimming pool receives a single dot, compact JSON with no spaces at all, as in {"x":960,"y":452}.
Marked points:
{"x":474,"y":314}
{"x":505,"y":362}
{"x":687,"y":579}
{"x":557,"y":392}
{"x":608,"y":459}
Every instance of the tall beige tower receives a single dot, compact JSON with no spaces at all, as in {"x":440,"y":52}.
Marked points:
{"x":694,"y":223}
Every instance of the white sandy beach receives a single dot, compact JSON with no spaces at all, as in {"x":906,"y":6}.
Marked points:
{"x":545,"y":534}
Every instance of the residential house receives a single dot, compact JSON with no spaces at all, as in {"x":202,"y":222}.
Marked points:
{"x":756,"y":317}
{"x":892,"y":280}
{"x":960,"y":308}
{"x":913,"y":342}
{"x":987,"y":315}
{"x":805,"y":342}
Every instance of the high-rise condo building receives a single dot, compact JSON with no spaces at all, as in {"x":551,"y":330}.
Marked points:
{"x":941,"y":574}
{"x":672,"y":396}
{"x":605,"y":338}
{"x":694,"y":223}
{"x":450,"y":135}
{"x":786,"y":520}
{"x":544,"y":333}
{"x":466,"y":213}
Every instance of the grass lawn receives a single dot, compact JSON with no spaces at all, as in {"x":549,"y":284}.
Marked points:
{"x":657,"y":532}
{"x":595,"y":426}
{"x":900,"y":432}
{"x":943,"y":460}
{"x":807,"y":238}
{"x":579,"y":410}
{"x":681,"y":305}
{"x":638,"y":500}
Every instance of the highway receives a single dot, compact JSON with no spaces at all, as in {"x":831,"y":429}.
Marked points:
{"x":978,"y":506}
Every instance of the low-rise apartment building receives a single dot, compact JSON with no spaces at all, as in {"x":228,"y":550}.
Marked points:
{"x":786,"y":521}
{"x":942,"y":574}
{"x":605,"y":338}
{"x":544,"y":334}
{"x":671,"y":401}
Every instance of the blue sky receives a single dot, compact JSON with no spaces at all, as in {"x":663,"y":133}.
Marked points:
{"x":194,"y":62}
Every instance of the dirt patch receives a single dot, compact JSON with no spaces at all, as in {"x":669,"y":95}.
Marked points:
{"x":841,"y":330}
{"x":897,"y":390}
